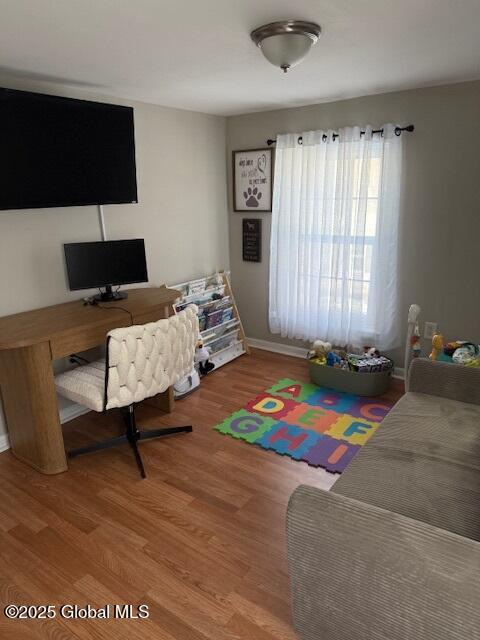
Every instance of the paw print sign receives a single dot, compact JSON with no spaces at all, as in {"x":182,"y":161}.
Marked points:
{"x":252,"y":197}
{"x":252,"y":180}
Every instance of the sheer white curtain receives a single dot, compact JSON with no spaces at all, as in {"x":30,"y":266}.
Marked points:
{"x":334,"y":240}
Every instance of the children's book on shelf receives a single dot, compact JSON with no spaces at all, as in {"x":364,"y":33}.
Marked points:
{"x":220,"y":325}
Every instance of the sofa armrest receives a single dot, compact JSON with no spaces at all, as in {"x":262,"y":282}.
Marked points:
{"x":362,"y":573}
{"x":452,"y":381}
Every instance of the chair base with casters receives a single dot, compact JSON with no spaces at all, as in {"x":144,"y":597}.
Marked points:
{"x":141,"y":361}
{"x":132,"y":436}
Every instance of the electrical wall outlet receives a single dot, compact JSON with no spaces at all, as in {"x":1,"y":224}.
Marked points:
{"x":430,"y":330}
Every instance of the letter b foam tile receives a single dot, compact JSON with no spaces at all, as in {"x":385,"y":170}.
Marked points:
{"x":331,"y":400}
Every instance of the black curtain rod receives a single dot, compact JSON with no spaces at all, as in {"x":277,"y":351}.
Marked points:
{"x":398,"y":131}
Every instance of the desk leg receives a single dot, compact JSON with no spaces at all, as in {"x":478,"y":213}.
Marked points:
{"x":31,"y":409}
{"x":163,"y":401}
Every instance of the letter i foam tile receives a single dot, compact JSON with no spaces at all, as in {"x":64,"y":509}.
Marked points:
{"x":322,"y":427}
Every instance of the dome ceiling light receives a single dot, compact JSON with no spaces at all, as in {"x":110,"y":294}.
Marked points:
{"x":286,"y":43}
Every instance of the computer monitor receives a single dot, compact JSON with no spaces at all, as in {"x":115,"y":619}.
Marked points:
{"x":106,"y":264}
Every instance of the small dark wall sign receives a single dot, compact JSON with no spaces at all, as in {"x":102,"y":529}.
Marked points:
{"x":252,"y":239}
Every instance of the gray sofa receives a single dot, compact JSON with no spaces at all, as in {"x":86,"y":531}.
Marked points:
{"x":392,"y":552}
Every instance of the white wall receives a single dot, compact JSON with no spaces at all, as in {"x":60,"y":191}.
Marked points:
{"x":182,"y":211}
{"x":440,"y":228}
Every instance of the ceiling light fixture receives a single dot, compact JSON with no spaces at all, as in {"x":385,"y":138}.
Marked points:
{"x":286,"y":43}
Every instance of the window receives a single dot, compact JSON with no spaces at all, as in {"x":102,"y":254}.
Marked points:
{"x":334,"y":238}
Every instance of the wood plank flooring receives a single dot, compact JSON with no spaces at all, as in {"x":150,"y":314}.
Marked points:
{"x":201,"y":541}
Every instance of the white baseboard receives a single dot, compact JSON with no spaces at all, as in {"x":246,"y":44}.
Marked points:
{"x":278,"y":347}
{"x":298,"y":352}
{"x":4,"y":442}
{"x":71,"y":412}
{"x":66,"y":414}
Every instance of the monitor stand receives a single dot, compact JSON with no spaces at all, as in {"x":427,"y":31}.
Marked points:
{"x":109,"y":296}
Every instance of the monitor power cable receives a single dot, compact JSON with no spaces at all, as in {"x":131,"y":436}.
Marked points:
{"x":95,"y":303}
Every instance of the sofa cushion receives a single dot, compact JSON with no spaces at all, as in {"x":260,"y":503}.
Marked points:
{"x":423,"y":462}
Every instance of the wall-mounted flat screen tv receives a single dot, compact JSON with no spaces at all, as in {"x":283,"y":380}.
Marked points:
{"x":60,"y":152}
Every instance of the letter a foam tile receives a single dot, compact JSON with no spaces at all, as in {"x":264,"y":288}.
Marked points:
{"x":292,"y":389}
{"x":246,"y":426}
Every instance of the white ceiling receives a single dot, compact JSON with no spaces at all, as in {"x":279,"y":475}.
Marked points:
{"x":197,"y":54}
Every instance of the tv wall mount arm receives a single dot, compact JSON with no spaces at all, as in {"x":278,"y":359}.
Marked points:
{"x":101,"y":220}
{"x":108,"y":295}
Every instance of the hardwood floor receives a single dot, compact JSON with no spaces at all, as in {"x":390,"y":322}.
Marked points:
{"x":201,"y":541}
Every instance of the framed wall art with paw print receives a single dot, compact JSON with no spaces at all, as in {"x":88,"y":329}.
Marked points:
{"x":252,"y":180}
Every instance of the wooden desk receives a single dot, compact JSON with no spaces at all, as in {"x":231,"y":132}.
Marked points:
{"x":30,"y":341}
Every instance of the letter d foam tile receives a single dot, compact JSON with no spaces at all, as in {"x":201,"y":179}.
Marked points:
{"x":270,"y":406}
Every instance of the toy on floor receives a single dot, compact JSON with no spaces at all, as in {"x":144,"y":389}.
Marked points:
{"x":319,"y":351}
{"x":333,"y":359}
{"x":202,"y":355}
{"x":415,"y":342}
{"x":475,"y":362}
{"x":371,"y":352}
{"x":187,"y":384}
{"x":437,"y":347}
{"x":323,"y":354}
{"x":367,"y":364}
{"x":466,"y":353}
{"x":458,"y":351}
{"x":371,"y":361}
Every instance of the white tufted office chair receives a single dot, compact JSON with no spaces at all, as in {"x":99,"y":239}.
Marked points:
{"x":142,"y":360}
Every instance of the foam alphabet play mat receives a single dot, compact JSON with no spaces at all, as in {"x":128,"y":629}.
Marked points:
{"x":319,"y":426}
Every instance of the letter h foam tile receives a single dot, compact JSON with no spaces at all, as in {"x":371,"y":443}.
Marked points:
{"x":290,"y":440}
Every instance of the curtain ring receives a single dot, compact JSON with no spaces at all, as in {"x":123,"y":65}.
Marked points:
{"x":398,"y":131}
{"x":300,"y":140}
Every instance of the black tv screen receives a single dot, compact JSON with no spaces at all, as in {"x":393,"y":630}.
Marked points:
{"x":60,"y":152}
